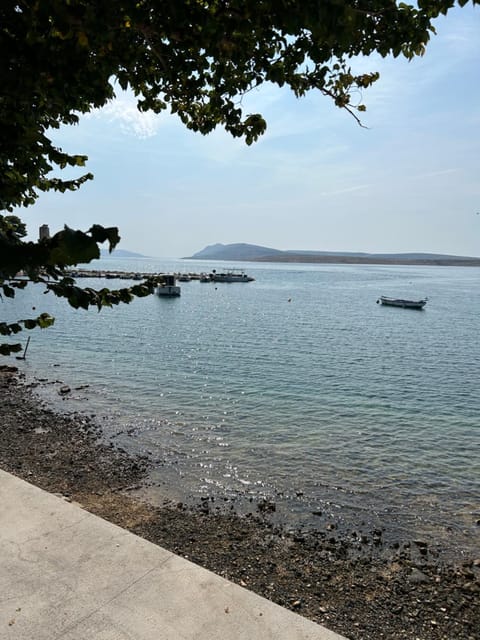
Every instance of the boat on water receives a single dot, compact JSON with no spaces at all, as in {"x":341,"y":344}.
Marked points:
{"x":233,"y":275}
{"x":401,"y":302}
{"x":168,"y":288}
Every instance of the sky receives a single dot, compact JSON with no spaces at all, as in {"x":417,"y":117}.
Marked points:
{"x":408,"y":182}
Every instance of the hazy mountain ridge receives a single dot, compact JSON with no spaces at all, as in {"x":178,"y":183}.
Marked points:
{"x":257,"y":253}
{"x":120,"y":253}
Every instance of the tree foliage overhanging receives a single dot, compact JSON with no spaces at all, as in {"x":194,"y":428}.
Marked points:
{"x":62,"y":58}
{"x":46,"y":262}
{"x":195,"y":58}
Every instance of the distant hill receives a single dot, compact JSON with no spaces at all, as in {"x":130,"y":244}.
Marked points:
{"x":238,"y":251}
{"x":255,"y":253}
{"x":120,"y":253}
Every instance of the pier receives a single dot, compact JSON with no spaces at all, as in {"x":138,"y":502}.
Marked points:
{"x":128,"y":275}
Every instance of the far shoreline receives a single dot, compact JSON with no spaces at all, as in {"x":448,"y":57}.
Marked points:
{"x":246,"y":252}
{"x":299,"y":259}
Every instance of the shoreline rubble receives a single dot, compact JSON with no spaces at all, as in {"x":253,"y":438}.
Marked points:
{"x":405,"y":594}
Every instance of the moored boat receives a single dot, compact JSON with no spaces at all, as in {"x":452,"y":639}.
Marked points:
{"x":233,"y":275}
{"x":401,"y":302}
{"x":168,"y":288}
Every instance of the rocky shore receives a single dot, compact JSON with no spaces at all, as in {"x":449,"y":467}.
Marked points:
{"x":401,"y":592}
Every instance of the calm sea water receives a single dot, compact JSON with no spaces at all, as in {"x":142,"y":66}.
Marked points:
{"x":297,"y":387}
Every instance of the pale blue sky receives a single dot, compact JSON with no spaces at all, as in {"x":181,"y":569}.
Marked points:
{"x":316,"y":180}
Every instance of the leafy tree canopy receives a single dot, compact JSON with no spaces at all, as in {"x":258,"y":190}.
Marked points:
{"x":196,"y":58}
{"x":61,"y":58}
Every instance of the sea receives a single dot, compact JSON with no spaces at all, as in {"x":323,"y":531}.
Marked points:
{"x":297,"y":390}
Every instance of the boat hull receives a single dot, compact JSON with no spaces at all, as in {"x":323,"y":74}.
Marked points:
{"x":230,"y":276}
{"x":168,"y":291}
{"x":400,"y":302}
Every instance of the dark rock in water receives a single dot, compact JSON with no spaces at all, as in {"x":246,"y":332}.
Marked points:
{"x":8,"y":369}
{"x":377,"y":536}
{"x":64,"y":389}
{"x":422,"y":547}
{"x":420,"y":544}
{"x":266,"y":506}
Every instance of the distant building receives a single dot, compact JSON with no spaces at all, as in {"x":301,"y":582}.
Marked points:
{"x":44,"y":232}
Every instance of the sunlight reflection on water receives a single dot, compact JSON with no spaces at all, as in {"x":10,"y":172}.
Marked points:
{"x":327,"y":399}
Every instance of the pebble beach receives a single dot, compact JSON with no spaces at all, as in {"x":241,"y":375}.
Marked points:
{"x":358,"y":585}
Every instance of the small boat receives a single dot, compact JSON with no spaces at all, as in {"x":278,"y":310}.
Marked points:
{"x":168,"y":288}
{"x":233,"y":275}
{"x":401,"y":302}
{"x":184,"y":277}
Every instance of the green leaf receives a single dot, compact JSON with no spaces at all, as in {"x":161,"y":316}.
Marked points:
{"x":8,"y":349}
{"x":101,"y":234}
{"x":9,"y":292}
{"x":70,"y":247}
{"x":44,"y":320}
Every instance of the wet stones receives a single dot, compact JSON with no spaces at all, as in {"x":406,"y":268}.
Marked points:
{"x":417,"y":577}
{"x":266,"y":506}
{"x":359,"y":583}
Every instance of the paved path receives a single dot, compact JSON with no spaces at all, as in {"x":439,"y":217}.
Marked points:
{"x":66,"y":574}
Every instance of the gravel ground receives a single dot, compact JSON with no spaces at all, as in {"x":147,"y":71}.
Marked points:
{"x":352,"y":585}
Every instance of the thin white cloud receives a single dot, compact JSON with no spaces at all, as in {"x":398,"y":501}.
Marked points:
{"x":338,"y":192}
{"x":123,"y":112}
{"x":434,"y":174}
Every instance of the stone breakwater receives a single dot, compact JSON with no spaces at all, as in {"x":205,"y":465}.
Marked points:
{"x":127,"y":275}
{"x":397,"y":593}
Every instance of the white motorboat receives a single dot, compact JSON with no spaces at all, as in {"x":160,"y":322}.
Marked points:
{"x":233,"y":275}
{"x":168,"y":288}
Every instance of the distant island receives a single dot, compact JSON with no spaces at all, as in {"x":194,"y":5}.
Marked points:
{"x":120,"y":253}
{"x":255,"y":253}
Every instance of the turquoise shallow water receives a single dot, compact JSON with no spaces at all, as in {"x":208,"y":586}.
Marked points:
{"x":328,"y":402}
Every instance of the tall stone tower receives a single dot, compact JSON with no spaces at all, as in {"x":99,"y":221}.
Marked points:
{"x":43,"y":232}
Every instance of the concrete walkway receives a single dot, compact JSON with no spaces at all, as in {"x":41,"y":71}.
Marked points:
{"x":67,"y":574}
